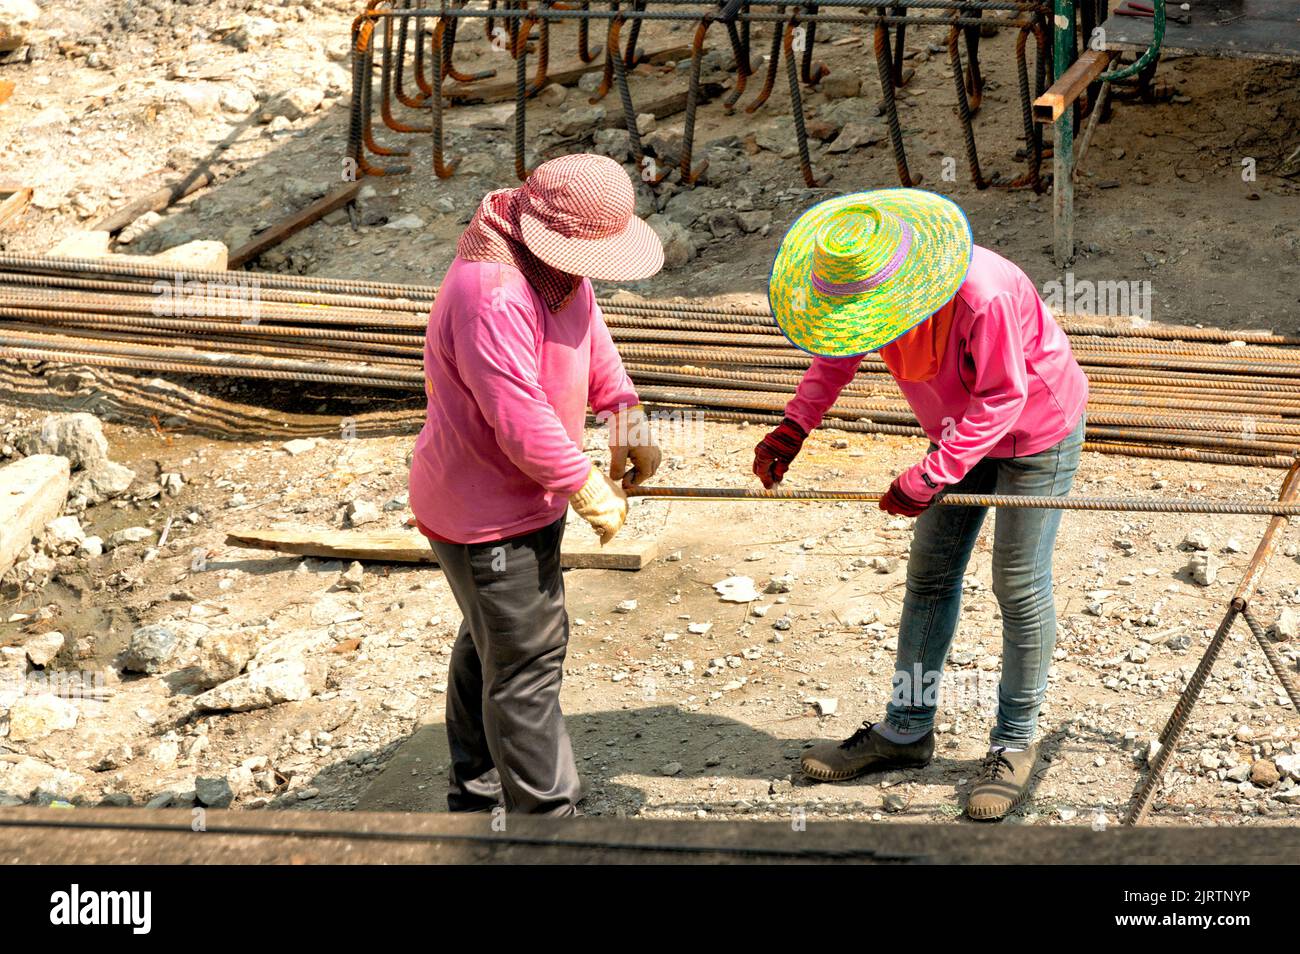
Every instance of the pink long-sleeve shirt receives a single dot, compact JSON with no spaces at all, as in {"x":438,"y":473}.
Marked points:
{"x":1008,"y":384}
{"x":508,"y":385}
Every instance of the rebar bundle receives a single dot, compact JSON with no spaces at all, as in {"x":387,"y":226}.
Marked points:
{"x":409,"y":41}
{"x":1161,"y":392}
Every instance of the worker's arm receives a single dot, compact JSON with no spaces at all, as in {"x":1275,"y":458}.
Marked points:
{"x":496,"y":354}
{"x":609,"y":389}
{"x":614,"y":400}
{"x":820,"y":386}
{"x":998,"y":394}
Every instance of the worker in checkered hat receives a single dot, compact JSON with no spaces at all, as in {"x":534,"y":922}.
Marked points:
{"x":516,"y":352}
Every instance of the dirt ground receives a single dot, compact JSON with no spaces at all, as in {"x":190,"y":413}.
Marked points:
{"x":684,"y":706}
{"x":667,"y":720}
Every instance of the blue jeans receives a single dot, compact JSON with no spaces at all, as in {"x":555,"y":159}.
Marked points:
{"x":1023,"y":541}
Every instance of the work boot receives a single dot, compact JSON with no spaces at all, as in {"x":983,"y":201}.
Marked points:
{"x":1003,"y":783}
{"x":864,"y":751}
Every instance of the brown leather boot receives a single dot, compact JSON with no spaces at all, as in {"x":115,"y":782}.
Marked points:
{"x":1003,"y":783}
{"x":864,"y":751}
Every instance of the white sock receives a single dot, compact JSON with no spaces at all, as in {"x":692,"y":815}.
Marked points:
{"x":1002,"y":748}
{"x":898,"y":737}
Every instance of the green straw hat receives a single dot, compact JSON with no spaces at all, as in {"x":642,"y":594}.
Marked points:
{"x":857,"y":271}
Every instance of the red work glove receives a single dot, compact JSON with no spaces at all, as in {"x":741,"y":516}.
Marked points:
{"x":900,"y":504}
{"x":776,"y":451}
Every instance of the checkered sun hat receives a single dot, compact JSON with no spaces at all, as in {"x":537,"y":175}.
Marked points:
{"x":857,"y":271}
{"x":577,"y":216}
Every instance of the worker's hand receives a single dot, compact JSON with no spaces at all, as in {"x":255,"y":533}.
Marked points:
{"x":630,"y":439}
{"x":900,"y":504}
{"x":601,"y":503}
{"x":776,"y":451}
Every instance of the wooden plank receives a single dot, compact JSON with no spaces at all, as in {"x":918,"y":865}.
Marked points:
{"x":293,"y":224}
{"x":663,"y":106}
{"x":464,"y":94}
{"x":13,"y":202}
{"x":1070,"y":86}
{"x":155,"y":201}
{"x":410,"y":546}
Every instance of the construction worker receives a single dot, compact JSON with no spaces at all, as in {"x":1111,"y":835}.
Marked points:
{"x":515,"y":353}
{"x":992,"y":381}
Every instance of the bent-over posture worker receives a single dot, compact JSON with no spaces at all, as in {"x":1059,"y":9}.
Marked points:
{"x":992,"y":381}
{"x":515,"y":353}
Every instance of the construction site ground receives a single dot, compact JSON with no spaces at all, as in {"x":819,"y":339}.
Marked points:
{"x":666,"y":721}
{"x":682,"y":705}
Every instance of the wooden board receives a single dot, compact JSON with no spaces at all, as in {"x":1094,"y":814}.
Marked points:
{"x":410,"y":546}
{"x":13,"y":202}
{"x":1062,"y":94}
{"x":293,"y":224}
{"x":463,"y":94}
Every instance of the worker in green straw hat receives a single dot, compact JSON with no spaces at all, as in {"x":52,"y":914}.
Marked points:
{"x":992,"y":381}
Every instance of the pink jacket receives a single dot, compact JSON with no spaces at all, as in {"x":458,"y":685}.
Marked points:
{"x":1008,"y":385}
{"x":508,"y":384}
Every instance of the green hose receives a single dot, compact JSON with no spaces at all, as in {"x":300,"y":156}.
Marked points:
{"x":1153,"y":51}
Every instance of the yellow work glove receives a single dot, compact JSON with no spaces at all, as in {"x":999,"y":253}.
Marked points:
{"x":601,"y":503}
{"x":630,"y":439}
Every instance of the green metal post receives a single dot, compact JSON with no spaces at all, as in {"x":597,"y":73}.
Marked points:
{"x":1063,"y":148}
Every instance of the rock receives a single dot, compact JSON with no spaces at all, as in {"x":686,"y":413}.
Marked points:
{"x":479,"y":164}
{"x":552,"y":95}
{"x":626,"y":606}
{"x":42,"y":649}
{"x":678,"y":247}
{"x":34,"y":717}
{"x":1198,"y":540}
{"x":615,"y":143}
{"x":299,"y":445}
{"x":1287,"y":625}
{"x":83,"y":244}
{"x":141,"y":226}
{"x":578,"y":119}
{"x":736,"y":589}
{"x":852,"y":136}
{"x":408,"y":222}
{"x":779,"y":584}
{"x":102,"y":481}
{"x":64,"y":534}
{"x":78,"y":437}
{"x":826,"y":706}
{"x":755,"y":220}
{"x":265,"y":686}
{"x":672,"y":768}
{"x":17,"y":18}
{"x":201,"y":99}
{"x":31,"y":779}
{"x":128,"y":535}
{"x":1264,"y":773}
{"x":842,"y":85}
{"x":32,"y":492}
{"x":894,"y":803}
{"x":361,"y":512}
{"x":222,"y":657}
{"x":353,"y":578}
{"x":252,"y":32}
{"x":201,"y":254}
{"x":293,"y":104}
{"x":213,"y":792}
{"x":236,"y":100}
{"x":1288,"y":765}
{"x":150,"y":648}
{"x":1203,"y":567}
